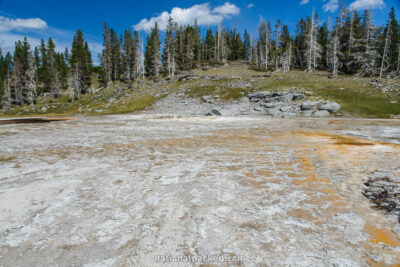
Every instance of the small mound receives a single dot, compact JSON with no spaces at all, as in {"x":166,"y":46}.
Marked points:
{"x":384,"y":191}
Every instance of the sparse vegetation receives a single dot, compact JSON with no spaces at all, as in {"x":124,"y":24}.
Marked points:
{"x":356,"y":94}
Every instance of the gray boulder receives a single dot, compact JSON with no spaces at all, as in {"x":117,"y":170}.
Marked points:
{"x":287,"y":109}
{"x":216,"y":112}
{"x":213,"y":113}
{"x":275,"y":112}
{"x":309,"y":105}
{"x":270,"y":105}
{"x":285,"y":98}
{"x":259,"y":94}
{"x":290,"y":115}
{"x":243,"y":100}
{"x":207,"y":99}
{"x":330,"y":106}
{"x":321,"y":113}
{"x":299,"y":96}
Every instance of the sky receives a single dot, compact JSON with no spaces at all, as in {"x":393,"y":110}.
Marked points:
{"x":60,"y":19}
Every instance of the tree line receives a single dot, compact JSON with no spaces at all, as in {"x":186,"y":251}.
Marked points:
{"x":32,"y":72}
{"x":350,"y":45}
{"x":125,"y":58}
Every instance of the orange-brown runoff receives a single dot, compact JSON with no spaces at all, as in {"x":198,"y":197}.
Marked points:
{"x":382,"y":236}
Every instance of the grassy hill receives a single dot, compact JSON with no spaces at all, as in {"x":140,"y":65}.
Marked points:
{"x":359,"y":97}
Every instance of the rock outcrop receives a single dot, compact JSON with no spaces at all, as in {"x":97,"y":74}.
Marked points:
{"x":288,"y":104}
{"x":330,"y":106}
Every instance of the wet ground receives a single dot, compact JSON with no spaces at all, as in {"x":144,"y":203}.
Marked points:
{"x":124,"y":190}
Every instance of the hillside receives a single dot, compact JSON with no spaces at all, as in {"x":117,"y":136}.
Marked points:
{"x":358,"y":96}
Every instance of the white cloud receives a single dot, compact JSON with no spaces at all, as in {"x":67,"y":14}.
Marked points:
{"x":13,"y":30}
{"x":187,"y":16}
{"x":331,"y":6}
{"x":250,"y":5}
{"x":303,"y":2}
{"x":367,"y":4}
{"x":7,"y":24}
{"x":227,"y":9}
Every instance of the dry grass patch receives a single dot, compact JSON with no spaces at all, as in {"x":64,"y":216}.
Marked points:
{"x":6,"y":158}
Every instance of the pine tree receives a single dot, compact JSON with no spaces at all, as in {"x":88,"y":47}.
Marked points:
{"x":277,"y":44}
{"x":53,"y":82}
{"x":106,"y":55}
{"x":263,"y":46}
{"x":300,"y":45}
{"x":115,"y":56}
{"x":387,"y":51}
{"x":224,"y":49}
{"x":152,"y":54}
{"x":19,"y":69}
{"x":209,"y":45}
{"x":196,"y":41}
{"x":286,"y":50}
{"x":80,"y":63}
{"x":323,"y":40}
{"x":365,"y":55}
{"x":3,"y":71}
{"x":188,"y":48}
{"x":7,"y":66}
{"x":43,"y":68}
{"x":129,"y":57}
{"x":169,"y":55}
{"x":395,"y":42}
{"x":37,"y":62}
{"x":246,"y":46}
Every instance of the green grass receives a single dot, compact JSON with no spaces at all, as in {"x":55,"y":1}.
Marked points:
{"x":358,"y":98}
{"x":362,"y":104}
{"x":130,"y":105}
{"x":225,"y":93}
{"x":87,"y":104}
{"x":200,"y":91}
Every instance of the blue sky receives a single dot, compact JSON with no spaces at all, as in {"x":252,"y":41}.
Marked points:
{"x":60,"y":19}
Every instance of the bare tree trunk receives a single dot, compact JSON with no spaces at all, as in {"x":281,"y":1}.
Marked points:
{"x":290,"y":55}
{"x":351,"y":32}
{"x":309,"y":61}
{"x":142,"y":60}
{"x":398,"y":60}
{"x":266,"y":49}
{"x":219,"y":43}
{"x":387,"y":44}
{"x":278,"y":25}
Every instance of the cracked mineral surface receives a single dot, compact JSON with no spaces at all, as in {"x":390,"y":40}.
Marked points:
{"x":122,"y":190}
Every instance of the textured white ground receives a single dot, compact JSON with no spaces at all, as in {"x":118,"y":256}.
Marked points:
{"x":120,"y":190}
